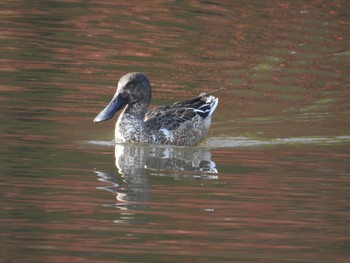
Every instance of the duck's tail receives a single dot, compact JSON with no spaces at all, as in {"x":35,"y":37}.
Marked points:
{"x":211,"y":102}
{"x":208,"y":107}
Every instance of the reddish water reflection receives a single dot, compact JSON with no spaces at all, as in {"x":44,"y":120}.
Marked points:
{"x":264,"y":204}
{"x":279,"y":186}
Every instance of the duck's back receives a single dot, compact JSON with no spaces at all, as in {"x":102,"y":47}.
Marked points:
{"x":182,"y":123}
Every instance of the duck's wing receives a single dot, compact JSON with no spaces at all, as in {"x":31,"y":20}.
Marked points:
{"x":172,"y":116}
{"x":168,"y":117}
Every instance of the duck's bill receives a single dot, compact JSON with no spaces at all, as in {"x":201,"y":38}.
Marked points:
{"x":116,"y":104}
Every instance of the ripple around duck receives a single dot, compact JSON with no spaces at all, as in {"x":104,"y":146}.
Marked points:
{"x":240,"y":142}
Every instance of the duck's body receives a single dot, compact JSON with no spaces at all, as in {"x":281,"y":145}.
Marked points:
{"x":182,"y":123}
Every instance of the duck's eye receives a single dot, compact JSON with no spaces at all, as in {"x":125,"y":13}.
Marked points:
{"x":131,"y":85}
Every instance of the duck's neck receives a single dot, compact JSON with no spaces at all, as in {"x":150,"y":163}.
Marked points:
{"x":130,"y":125}
{"x":136,"y":110}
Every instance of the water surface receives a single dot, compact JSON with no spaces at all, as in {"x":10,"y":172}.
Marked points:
{"x":269,"y":184}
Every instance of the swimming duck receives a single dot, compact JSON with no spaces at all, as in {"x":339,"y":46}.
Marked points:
{"x":183,"y":123}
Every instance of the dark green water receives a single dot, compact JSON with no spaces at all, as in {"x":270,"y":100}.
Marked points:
{"x":271,"y":183}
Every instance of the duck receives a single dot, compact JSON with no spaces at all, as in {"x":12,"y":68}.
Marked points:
{"x":183,"y":123}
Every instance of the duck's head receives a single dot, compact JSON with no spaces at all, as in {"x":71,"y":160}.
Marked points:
{"x":132,"y":88}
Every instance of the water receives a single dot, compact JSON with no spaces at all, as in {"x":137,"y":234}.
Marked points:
{"x":269,"y":184}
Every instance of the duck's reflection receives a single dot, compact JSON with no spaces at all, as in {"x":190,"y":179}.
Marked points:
{"x":136,"y":162}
